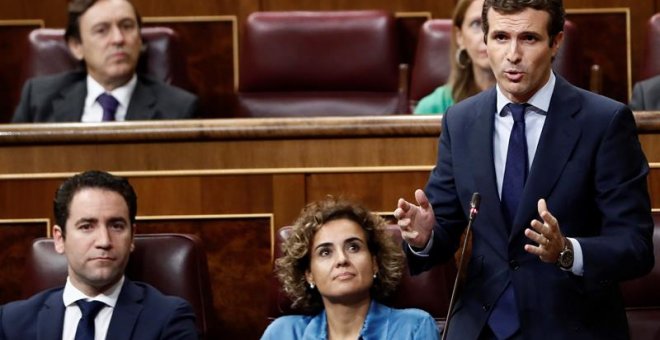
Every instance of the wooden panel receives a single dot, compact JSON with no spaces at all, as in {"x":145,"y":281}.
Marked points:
{"x":13,"y":48}
{"x":212,"y":64}
{"x":604,"y":41}
{"x":654,"y":185}
{"x":239,"y":257}
{"x":15,"y":239}
{"x":640,"y":12}
{"x":377,"y":191}
{"x":408,"y":25}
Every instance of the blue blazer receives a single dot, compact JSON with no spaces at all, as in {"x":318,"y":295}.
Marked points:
{"x":590,"y":168}
{"x":142,"y":312}
{"x":381,"y":323}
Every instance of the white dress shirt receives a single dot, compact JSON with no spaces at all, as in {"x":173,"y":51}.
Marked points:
{"x":72,"y":312}
{"x":93,"y":112}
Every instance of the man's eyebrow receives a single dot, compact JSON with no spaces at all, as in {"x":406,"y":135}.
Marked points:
{"x":86,"y":220}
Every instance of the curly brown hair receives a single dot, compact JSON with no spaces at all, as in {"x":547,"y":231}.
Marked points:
{"x":291,"y":267}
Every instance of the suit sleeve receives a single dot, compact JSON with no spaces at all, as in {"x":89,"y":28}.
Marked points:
{"x":443,"y":196}
{"x":624,"y":247}
{"x":637,"y":100}
{"x":2,"y":331}
{"x":193,"y":109}
{"x":22,"y":113}
{"x":181,"y":324}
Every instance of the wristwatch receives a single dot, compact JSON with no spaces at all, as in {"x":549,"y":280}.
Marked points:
{"x":565,"y":260}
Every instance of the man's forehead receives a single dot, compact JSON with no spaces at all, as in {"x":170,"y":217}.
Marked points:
{"x":527,"y":20}
{"x":97,"y":14}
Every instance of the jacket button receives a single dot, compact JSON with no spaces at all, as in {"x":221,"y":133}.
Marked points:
{"x":514,"y":264}
{"x":485,"y":307}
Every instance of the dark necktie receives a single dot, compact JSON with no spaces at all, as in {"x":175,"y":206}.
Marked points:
{"x":504,"y":320}
{"x":515,"y":171}
{"x":89,"y":309}
{"x":109,"y":105}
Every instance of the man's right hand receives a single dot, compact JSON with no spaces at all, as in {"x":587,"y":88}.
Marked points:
{"x":416,"y":221}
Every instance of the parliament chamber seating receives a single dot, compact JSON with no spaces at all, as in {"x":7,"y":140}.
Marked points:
{"x":651,"y":60}
{"x":319,"y":63}
{"x":429,"y":291}
{"x":642,"y":296}
{"x":161,"y":56}
{"x":431,"y":65}
{"x":175,"y":264}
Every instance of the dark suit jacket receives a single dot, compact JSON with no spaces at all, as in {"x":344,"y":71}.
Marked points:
{"x":646,"y":95}
{"x":590,"y":168}
{"x":141,"y":313}
{"x":61,"y":98}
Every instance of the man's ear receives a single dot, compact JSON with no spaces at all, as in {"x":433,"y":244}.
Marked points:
{"x":559,"y":39}
{"x":58,"y":237}
{"x":133,"y":237}
{"x":75,"y":46}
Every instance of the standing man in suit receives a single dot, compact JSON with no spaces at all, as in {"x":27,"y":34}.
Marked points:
{"x":565,"y":213}
{"x":95,"y":215}
{"x":105,"y":36}
{"x":646,"y":95}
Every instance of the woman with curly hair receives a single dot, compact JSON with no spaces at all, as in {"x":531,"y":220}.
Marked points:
{"x":339,"y":262}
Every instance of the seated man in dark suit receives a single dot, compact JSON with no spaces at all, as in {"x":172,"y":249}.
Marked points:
{"x":646,"y":95}
{"x":105,"y":36}
{"x":95,"y":225}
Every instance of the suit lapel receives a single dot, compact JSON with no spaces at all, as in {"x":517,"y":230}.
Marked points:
{"x":481,"y":149}
{"x":558,"y":139}
{"x":50,"y":319}
{"x":143,"y":103}
{"x":126,"y":312}
{"x":68,"y":107}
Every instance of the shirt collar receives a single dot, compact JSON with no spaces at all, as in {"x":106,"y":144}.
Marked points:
{"x":72,"y":294}
{"x":540,"y":99}
{"x":122,"y":94}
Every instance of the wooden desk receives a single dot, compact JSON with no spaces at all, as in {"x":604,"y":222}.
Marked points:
{"x":230,"y":181}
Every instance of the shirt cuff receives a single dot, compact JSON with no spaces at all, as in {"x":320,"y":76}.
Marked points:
{"x":578,"y":261}
{"x":424,"y":252}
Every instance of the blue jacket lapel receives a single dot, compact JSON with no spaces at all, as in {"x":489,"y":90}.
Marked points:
{"x":68,"y":107}
{"x":143,"y":102}
{"x":50,"y":319}
{"x":127,"y":311}
{"x":558,"y":139}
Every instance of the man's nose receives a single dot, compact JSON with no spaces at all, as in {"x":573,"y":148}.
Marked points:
{"x":103,"y":237}
{"x":116,"y":35}
{"x":513,"y":52}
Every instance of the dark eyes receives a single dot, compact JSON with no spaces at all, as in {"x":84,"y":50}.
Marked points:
{"x":352,"y":247}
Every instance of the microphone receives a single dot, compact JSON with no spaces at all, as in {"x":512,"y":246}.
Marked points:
{"x":474,"y":210}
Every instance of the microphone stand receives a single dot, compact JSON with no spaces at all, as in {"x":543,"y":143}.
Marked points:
{"x":474,"y":210}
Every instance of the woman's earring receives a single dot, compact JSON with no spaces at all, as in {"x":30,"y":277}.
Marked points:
{"x":311,"y":285}
{"x":462,"y":58}
{"x":375,"y":275}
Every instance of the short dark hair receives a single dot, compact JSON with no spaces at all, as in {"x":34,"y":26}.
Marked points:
{"x":554,"y":7}
{"x":77,"y":8}
{"x":91,"y":179}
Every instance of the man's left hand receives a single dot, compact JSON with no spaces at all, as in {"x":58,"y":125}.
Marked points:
{"x":546,"y":234}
